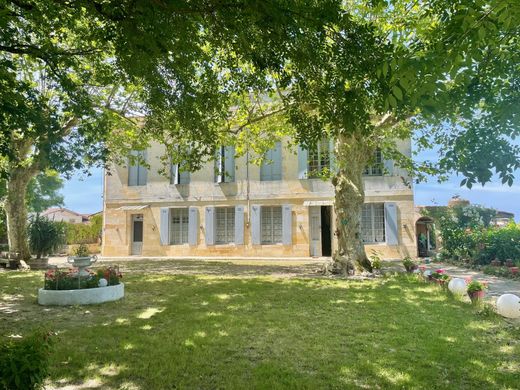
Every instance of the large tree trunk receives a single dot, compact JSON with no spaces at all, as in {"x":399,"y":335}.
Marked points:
{"x":352,"y":155}
{"x":16,"y":211}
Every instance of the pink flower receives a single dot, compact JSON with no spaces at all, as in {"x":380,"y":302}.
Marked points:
{"x":440,"y":271}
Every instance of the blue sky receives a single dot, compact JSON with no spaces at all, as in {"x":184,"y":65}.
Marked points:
{"x":84,"y":194}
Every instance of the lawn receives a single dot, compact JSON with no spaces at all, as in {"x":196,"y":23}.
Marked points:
{"x":219,"y":325}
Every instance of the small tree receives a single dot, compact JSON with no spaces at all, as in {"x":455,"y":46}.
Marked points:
{"x":45,"y":237}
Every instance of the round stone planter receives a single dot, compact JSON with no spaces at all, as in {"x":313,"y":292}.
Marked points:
{"x":85,"y":296}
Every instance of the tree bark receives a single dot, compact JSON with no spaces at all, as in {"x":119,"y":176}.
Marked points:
{"x":16,"y":211}
{"x":352,"y":155}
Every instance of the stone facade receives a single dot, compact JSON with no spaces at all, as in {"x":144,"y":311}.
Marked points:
{"x":124,"y":204}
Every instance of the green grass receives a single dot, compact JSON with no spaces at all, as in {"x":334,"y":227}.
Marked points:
{"x":214,"y":325}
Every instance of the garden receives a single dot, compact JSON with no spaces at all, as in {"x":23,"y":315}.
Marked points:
{"x":469,"y":239}
{"x":194,"y":324}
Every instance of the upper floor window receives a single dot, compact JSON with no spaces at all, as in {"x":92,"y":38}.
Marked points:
{"x":179,"y":226}
{"x":373,"y":223}
{"x":225,"y":225}
{"x":376,"y":166}
{"x":271,"y":168}
{"x":319,"y":158}
{"x":271,"y":224}
{"x":225,"y":164}
{"x":177,"y":176}
{"x":137,"y":171}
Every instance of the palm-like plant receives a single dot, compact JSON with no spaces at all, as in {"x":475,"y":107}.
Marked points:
{"x":45,"y":237}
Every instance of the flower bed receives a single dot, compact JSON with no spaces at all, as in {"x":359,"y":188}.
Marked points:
{"x":69,"y":287}
{"x":57,"y":279}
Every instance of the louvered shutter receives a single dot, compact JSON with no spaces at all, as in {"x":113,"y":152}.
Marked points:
{"x":239,"y":225}
{"x":165,"y":226}
{"x":287,"y":224}
{"x":255,"y":225}
{"x":303,"y":162}
{"x":209,"y":218}
{"x":193,"y":226}
{"x":391,"y":226}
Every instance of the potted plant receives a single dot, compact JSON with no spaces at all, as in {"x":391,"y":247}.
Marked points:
{"x":496,"y":263}
{"x":476,"y":290}
{"x":45,"y":238}
{"x":82,"y":259}
{"x":409,"y":264}
{"x":440,"y":277}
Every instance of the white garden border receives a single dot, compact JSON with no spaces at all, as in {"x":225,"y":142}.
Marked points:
{"x":85,"y":296}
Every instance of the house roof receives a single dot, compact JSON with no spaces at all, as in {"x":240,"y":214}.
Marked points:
{"x":53,"y":210}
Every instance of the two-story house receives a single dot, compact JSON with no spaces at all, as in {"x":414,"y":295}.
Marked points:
{"x":233,"y":208}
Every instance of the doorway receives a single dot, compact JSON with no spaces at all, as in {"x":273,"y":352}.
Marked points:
{"x":137,"y":234}
{"x":326,"y":229}
{"x":320,"y":230}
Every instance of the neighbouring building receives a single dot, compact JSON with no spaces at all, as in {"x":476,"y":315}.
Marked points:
{"x":60,"y":214}
{"x":231,"y":208}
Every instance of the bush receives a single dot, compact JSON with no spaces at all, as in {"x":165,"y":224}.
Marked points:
{"x":45,"y":237}
{"x":24,"y":362}
{"x":500,"y":243}
{"x":80,"y":233}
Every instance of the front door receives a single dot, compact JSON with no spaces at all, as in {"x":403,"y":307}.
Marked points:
{"x":315,"y":230}
{"x":137,"y":234}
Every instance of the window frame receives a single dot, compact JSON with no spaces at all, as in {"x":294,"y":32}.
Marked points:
{"x":271,"y":175}
{"x":322,"y":159}
{"x":184,"y":222}
{"x":274,"y":239}
{"x":138,"y":166}
{"x":228,"y":213}
{"x":377,"y":233}
{"x":377,"y":168}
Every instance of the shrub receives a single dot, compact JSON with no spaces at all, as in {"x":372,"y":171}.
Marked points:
{"x":24,"y":362}
{"x":81,"y":251}
{"x":500,"y":243}
{"x":81,"y":233}
{"x":409,"y":264}
{"x":45,"y":237}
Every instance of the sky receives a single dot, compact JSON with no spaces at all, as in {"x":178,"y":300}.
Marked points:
{"x":84,"y":194}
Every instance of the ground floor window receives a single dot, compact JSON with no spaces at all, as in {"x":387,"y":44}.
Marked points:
{"x":179,"y":227}
{"x":373,"y":223}
{"x":271,"y":224}
{"x":225,"y":225}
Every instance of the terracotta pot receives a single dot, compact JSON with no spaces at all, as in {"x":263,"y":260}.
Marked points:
{"x":476,"y":296}
{"x":514,"y":270}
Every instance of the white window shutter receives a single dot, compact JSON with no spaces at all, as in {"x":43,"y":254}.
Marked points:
{"x":389,"y":167}
{"x":132,"y":170}
{"x":165,"y":226}
{"x":229,"y":164}
{"x":255,"y":224}
{"x":303,"y":162}
{"x":174,"y":171}
{"x":239,"y":225}
{"x":391,"y":225}
{"x":276,"y":166}
{"x":143,"y":171}
{"x":209,"y":218}
{"x":287,"y":224}
{"x":193,"y":226}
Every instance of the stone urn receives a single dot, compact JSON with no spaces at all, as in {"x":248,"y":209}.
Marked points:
{"x":81,"y":263}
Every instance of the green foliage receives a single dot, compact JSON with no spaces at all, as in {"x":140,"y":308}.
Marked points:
{"x":499,"y":243}
{"x":475,"y":285}
{"x":375,"y":260}
{"x":84,"y":233}
{"x":81,"y":251}
{"x":43,"y":191}
{"x":409,"y":264}
{"x":45,"y":237}
{"x":24,"y":363}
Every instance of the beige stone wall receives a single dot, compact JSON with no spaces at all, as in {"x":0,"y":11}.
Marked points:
{"x":202,"y":191}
